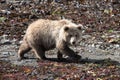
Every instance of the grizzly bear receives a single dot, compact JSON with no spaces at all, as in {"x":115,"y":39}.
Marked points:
{"x":43,"y":35}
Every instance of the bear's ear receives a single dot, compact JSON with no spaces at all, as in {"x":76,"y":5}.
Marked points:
{"x":66,"y":28}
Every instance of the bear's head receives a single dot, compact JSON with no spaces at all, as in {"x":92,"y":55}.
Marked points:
{"x":71,"y":33}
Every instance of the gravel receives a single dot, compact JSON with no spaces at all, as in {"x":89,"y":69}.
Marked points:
{"x":90,"y":51}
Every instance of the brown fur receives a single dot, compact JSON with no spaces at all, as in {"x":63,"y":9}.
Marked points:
{"x":43,"y":35}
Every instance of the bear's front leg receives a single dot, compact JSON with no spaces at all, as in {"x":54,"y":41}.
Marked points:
{"x":64,"y":49}
{"x":71,"y":53}
{"x":40,"y":54}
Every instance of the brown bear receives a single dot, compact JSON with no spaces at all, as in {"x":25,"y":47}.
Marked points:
{"x":43,"y":35}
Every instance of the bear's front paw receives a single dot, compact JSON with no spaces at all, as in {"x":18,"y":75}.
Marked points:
{"x":76,"y":57}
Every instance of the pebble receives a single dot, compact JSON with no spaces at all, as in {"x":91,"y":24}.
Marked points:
{"x":93,"y":45}
{"x":6,"y":53}
{"x":97,"y":46}
{"x":117,"y":46}
{"x":90,"y":51}
{"x":86,"y":36}
{"x":116,"y":54}
{"x":99,"y":42}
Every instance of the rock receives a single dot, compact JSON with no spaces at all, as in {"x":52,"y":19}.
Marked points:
{"x":3,"y":1}
{"x":4,"y":40}
{"x":93,"y":45}
{"x":2,"y":19}
{"x":97,"y":46}
{"x":117,"y":46}
{"x":86,"y":36}
{"x":6,"y":12}
{"x":12,"y":7}
{"x":33,"y":17}
{"x":117,"y":54}
{"x":4,"y":55}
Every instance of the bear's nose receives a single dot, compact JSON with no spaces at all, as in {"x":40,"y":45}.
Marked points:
{"x":73,"y":42}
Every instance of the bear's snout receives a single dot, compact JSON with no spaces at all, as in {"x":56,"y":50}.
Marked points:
{"x":73,"y":43}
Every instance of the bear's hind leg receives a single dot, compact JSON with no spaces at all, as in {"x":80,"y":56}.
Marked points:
{"x":24,"y":48}
{"x":59,"y":55}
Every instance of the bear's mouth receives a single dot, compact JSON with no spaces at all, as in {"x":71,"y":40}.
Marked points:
{"x":73,"y":44}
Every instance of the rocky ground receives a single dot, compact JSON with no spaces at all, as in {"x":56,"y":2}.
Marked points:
{"x":99,"y":48}
{"x":98,"y":61}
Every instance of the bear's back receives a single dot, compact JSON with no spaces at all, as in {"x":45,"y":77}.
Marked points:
{"x":47,"y":26}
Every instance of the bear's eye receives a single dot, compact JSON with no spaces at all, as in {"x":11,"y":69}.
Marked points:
{"x":70,"y":35}
{"x":76,"y":35}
